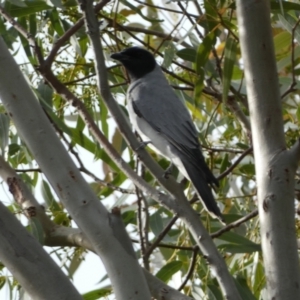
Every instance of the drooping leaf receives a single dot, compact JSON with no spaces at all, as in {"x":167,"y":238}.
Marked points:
{"x":32,"y":7}
{"x":97,"y":294}
{"x":229,"y":61}
{"x":4,"y":132}
{"x":167,"y":271}
{"x":188,"y":54}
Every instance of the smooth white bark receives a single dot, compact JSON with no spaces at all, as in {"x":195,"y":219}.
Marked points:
{"x":22,"y":254}
{"x":80,"y":201}
{"x":275,"y":166}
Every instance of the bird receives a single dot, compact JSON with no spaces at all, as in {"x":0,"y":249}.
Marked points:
{"x":161,"y":118}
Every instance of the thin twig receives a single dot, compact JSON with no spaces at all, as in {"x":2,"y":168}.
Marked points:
{"x":191,"y":268}
{"x":72,"y":30}
{"x":235,"y":224}
{"x":225,"y":173}
{"x":140,"y":229}
{"x":161,"y":236}
{"x":294,"y":82}
{"x":165,"y":8}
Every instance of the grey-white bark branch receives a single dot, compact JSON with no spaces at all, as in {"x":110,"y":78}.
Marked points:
{"x":80,"y":201}
{"x":61,"y":236}
{"x":275,"y":170}
{"x":31,"y":265}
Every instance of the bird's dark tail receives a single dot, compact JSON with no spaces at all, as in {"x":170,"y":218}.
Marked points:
{"x":201,"y":182}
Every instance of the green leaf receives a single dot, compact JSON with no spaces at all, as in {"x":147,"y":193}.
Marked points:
{"x":282,"y":40}
{"x":32,"y":7}
{"x":232,"y":248}
{"x":298,"y":113}
{"x":55,"y":21}
{"x":75,"y":44}
{"x":13,"y":149}
{"x":238,"y":243}
{"x":248,"y":169}
{"x":118,"y":141}
{"x":9,"y":36}
{"x":103,"y":117}
{"x":36,"y":229}
{"x":4,"y":132}
{"x":288,"y":23}
{"x":242,"y":146}
{"x":79,"y":138}
{"x":80,"y":124}
{"x":58,"y":3}
{"x":211,"y":9}
{"x":167,"y":271}
{"x":193,"y":39}
{"x":204,"y":50}
{"x":243,"y":289}
{"x":76,"y":261}
{"x":45,"y":93}
{"x":215,"y":291}
{"x":277,"y":6}
{"x":138,"y":11}
{"x":199,"y":85}
{"x":101,"y":154}
{"x":32,"y":25}
{"x":25,"y":43}
{"x":156,"y":223}
{"x":259,"y":277}
{"x":169,"y":54}
{"x":229,"y":61}
{"x":287,"y":60}
{"x":49,"y":198}
{"x":202,"y":55}
{"x":235,"y":238}
{"x":97,"y":294}
{"x":225,"y":163}
{"x":286,"y":5}
{"x":106,"y":191}
{"x":18,"y":3}
{"x":188,"y":54}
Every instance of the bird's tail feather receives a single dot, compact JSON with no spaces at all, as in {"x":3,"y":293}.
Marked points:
{"x":200,"y":183}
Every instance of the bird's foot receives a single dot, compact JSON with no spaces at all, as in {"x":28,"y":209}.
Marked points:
{"x":168,"y":171}
{"x":143,"y":145}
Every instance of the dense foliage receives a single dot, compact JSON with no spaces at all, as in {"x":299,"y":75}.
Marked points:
{"x":197,"y":45}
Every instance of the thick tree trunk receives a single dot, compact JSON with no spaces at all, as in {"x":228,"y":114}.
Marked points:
{"x":275,"y":166}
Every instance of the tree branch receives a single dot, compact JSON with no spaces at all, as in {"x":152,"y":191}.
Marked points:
{"x":275,"y":172}
{"x":31,"y":265}
{"x":76,"y":195}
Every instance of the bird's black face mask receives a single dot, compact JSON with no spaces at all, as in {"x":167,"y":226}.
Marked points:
{"x":137,"y":61}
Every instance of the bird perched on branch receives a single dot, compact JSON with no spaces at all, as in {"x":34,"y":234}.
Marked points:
{"x":161,"y":117}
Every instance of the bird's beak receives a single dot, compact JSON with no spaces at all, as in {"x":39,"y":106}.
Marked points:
{"x":117,"y":56}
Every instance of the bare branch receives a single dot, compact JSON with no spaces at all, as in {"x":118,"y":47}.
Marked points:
{"x":24,"y":256}
{"x":294,"y":82}
{"x":191,"y":269}
{"x":72,"y":30}
{"x":160,"y":237}
{"x":235,"y":224}
{"x":229,"y":170}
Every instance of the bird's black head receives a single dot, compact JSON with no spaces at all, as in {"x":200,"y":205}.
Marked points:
{"x":137,"y":61}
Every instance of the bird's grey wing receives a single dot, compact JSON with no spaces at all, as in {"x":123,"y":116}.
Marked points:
{"x":156,"y":102}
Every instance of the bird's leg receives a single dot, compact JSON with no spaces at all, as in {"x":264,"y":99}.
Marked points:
{"x":143,"y":145}
{"x":168,"y":170}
